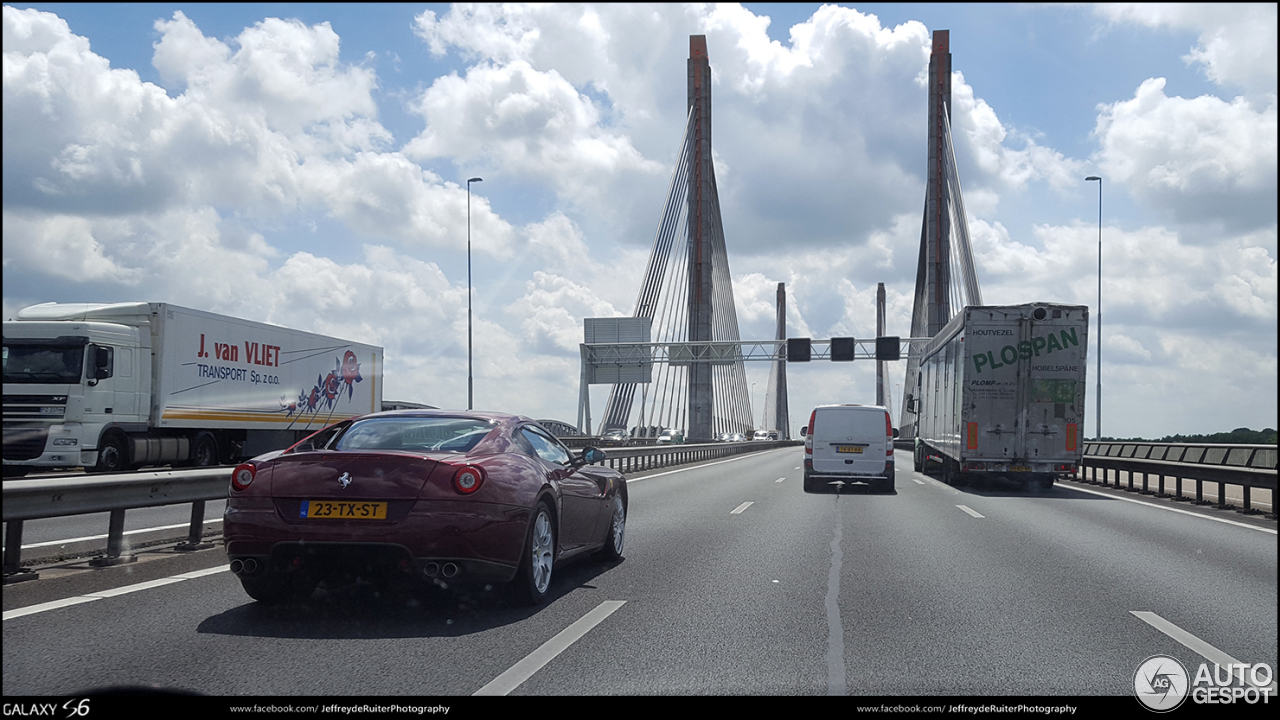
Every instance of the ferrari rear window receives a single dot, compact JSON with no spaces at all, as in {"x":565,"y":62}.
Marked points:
{"x":415,"y":434}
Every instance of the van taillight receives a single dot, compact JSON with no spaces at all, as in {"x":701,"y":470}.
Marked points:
{"x":888,"y":431}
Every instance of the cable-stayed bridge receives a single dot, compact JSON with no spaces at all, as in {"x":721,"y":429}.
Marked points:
{"x":678,"y":362}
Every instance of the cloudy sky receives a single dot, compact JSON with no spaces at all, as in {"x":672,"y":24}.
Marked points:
{"x":305,"y":165}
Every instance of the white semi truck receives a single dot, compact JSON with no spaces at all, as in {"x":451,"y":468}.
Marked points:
{"x":109,"y":387}
{"x":1001,"y":393}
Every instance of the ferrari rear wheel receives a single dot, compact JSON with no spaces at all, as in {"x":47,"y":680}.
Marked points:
{"x":533,"y":582}
{"x":613,"y":544}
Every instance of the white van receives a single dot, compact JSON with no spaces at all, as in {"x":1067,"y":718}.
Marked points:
{"x":852,"y":444}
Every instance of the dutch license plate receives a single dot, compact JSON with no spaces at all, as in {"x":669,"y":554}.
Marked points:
{"x":848,"y":449}
{"x":1019,"y":468}
{"x":342,"y":510}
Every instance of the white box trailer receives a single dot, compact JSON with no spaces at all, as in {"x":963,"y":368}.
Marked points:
{"x":108,"y":387}
{"x":1001,"y":393}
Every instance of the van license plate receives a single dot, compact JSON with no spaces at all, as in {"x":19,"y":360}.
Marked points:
{"x":848,"y":449}
{"x":1019,"y":468}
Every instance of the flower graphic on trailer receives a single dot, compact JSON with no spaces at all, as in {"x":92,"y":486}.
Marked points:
{"x":328,"y":388}
{"x":350,"y":372}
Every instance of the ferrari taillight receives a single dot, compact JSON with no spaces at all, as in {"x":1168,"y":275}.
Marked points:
{"x":243,"y":475}
{"x":468,"y":479}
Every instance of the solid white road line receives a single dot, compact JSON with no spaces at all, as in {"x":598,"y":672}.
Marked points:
{"x":534,"y":661}
{"x":1170,"y":509}
{"x":1193,"y":643}
{"x":971,"y":511}
{"x":917,"y":481}
{"x":738,"y":510}
{"x":126,"y":532}
{"x":113,"y":592}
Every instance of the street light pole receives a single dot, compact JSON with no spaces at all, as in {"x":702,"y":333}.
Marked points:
{"x":1098,"y":428}
{"x":753,"y":395}
{"x":470,"y":391}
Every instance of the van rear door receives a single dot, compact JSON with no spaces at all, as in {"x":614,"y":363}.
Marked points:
{"x":849,"y":440}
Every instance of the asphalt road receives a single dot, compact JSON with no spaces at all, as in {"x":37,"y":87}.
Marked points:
{"x":735,"y":582}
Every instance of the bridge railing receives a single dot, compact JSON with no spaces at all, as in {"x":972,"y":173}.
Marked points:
{"x":1246,"y":466}
{"x":36,"y":499}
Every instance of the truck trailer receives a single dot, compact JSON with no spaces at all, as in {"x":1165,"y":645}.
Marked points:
{"x":1001,"y":393}
{"x":110,"y":387}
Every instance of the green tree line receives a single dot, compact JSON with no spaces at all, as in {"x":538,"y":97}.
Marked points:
{"x":1239,"y":436}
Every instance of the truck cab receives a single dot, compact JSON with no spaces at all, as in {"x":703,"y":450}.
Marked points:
{"x":67,"y":386}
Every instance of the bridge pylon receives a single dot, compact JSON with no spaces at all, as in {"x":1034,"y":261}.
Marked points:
{"x":687,"y":292}
{"x":946,"y":280}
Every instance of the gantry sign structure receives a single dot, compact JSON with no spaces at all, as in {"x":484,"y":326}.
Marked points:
{"x":636,"y":362}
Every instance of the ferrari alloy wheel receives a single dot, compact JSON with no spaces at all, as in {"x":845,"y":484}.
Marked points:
{"x":534,"y":578}
{"x":613,"y":544}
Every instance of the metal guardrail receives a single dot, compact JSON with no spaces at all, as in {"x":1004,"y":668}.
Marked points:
{"x":634,"y":459}
{"x":60,"y":497}
{"x":1247,"y":466}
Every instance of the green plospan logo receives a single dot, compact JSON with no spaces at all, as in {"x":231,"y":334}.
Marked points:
{"x":1025,"y":350}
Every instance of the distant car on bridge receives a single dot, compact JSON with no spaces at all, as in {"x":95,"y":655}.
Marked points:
{"x":615,"y":437}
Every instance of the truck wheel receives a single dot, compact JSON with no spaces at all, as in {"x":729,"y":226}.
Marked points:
{"x":916,"y":462}
{"x":205,"y":453}
{"x":1045,"y":482}
{"x":113,"y":457}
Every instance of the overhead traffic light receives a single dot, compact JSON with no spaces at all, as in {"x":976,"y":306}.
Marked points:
{"x":798,"y":350}
{"x":842,"y":349}
{"x":887,"y":349}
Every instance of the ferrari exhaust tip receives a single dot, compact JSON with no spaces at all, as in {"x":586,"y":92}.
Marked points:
{"x":450,"y":570}
{"x":250,"y":566}
{"x":431,"y":569}
{"x":237,"y":566}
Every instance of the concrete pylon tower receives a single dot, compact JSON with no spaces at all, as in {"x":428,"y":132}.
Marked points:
{"x":777,"y":416}
{"x":932,"y":307}
{"x":703,"y":219}
{"x":936,"y":248}
{"x":880,"y":333}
